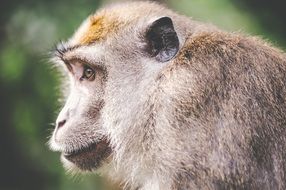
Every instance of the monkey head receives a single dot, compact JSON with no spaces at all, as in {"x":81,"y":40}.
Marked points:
{"x":114,"y":63}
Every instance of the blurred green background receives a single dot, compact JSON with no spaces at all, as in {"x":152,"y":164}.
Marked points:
{"x":29,"y":86}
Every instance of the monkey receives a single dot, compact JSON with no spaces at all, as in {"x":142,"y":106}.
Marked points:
{"x":159,"y":101}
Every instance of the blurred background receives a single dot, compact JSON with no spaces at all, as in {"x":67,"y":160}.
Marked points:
{"x":28,"y":84}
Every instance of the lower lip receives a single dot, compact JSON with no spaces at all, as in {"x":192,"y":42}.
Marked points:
{"x":90,"y":157}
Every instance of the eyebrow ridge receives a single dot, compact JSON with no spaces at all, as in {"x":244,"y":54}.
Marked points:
{"x":62,"y":48}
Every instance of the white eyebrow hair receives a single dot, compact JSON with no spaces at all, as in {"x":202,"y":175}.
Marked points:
{"x":91,"y":54}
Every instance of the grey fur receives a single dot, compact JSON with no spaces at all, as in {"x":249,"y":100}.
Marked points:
{"x":213,"y":117}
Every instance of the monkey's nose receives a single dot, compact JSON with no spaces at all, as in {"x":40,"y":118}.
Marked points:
{"x":61,"y":123}
{"x":63,"y":117}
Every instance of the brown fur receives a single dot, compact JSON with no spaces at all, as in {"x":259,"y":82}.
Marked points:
{"x":99,"y":27}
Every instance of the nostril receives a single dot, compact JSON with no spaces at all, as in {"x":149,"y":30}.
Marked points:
{"x":61,"y":123}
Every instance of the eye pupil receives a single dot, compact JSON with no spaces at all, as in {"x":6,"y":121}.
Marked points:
{"x":88,"y":73}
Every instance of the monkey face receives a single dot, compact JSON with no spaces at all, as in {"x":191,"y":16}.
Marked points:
{"x":78,"y":134}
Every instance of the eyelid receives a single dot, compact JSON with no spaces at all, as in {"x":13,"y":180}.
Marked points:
{"x":95,"y":65}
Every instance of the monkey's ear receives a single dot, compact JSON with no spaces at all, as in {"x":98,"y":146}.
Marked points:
{"x":162,"y":39}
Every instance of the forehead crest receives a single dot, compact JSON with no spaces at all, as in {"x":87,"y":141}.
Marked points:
{"x":109,"y":20}
{"x":97,"y":28}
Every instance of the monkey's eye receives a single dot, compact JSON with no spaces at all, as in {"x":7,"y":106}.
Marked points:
{"x":88,"y":74}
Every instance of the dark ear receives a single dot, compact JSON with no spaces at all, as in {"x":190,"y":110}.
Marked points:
{"x":162,"y":39}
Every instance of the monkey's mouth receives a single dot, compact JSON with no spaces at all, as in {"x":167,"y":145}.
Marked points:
{"x":91,"y":157}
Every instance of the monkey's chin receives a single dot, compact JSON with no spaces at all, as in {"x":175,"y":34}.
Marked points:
{"x":87,"y":159}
